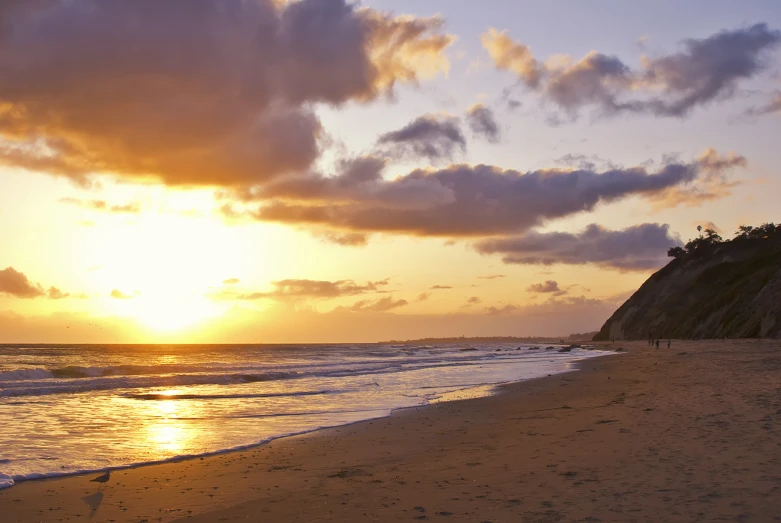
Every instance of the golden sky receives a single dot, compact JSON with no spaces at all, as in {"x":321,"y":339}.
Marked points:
{"x":320,"y":171}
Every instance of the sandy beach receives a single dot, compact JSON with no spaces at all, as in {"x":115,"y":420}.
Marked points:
{"x":689,"y":434}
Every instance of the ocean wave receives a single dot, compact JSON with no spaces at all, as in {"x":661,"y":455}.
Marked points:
{"x":165,"y":397}
{"x":6,"y":481}
{"x":75,"y":379}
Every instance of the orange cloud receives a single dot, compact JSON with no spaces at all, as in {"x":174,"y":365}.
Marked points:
{"x":512,"y":56}
{"x":15,"y":283}
{"x":381,"y":305}
{"x":293,"y":289}
{"x":101,"y":205}
{"x":208,"y":93}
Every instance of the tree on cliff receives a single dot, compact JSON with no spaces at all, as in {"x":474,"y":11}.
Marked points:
{"x":705,"y":243}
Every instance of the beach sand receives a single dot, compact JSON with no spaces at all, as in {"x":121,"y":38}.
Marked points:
{"x":689,"y":434}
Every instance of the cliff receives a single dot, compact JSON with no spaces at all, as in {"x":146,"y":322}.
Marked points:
{"x":716,"y":290}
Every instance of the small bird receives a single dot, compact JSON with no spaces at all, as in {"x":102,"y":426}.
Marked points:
{"x":103,"y":478}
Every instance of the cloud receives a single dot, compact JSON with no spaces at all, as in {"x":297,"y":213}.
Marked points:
{"x":349,"y":239}
{"x":555,"y":305}
{"x":440,"y":287}
{"x":119,"y":295}
{"x":491,"y":277}
{"x":292,"y":289}
{"x":231,"y":281}
{"x":637,"y":248}
{"x":585,"y":161}
{"x":56,"y":294}
{"x":707,"y":69}
{"x":194,"y":93}
{"x":512,"y":56}
{"x":548,"y":286}
{"x":358,"y":180}
{"x":423,"y":296}
{"x":381,"y":305}
{"x":703,"y":71}
{"x":507,"y":309}
{"x":771,"y":107}
{"x":433,"y":137}
{"x":713,"y":183}
{"x":474,"y":300}
{"x":101,"y":205}
{"x":470,"y":200}
{"x":15,"y":283}
{"x":482,"y":122}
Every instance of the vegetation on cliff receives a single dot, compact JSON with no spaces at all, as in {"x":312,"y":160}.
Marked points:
{"x":713,"y":288}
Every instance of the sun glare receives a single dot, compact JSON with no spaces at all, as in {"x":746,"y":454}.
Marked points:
{"x":172,"y":314}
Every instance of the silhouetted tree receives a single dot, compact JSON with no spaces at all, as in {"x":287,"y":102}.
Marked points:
{"x":705,"y":243}
{"x":712,"y":236}
{"x":676,"y":252}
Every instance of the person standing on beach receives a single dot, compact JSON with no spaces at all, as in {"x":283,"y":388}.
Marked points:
{"x":668,"y":343}
{"x":657,"y":344}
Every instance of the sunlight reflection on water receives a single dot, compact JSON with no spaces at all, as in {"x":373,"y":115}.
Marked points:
{"x":129,"y":406}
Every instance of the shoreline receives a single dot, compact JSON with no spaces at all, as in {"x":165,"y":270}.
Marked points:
{"x":494,"y":390}
{"x":690,"y":433}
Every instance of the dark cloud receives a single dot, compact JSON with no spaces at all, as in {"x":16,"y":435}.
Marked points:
{"x":548,"y":286}
{"x":358,"y":180}
{"x":429,"y":136}
{"x":101,"y":205}
{"x":15,"y":283}
{"x":673,"y":85}
{"x":708,"y":69}
{"x":585,"y":161}
{"x":482,"y":122}
{"x":465,"y":200}
{"x":637,"y":248}
{"x":596,"y":79}
{"x":119,"y":295}
{"x":193,"y":92}
{"x":299,"y":289}
{"x":440,"y":287}
{"x":381,"y":305}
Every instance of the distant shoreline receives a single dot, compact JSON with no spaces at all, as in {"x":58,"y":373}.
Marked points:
{"x":487,"y":339}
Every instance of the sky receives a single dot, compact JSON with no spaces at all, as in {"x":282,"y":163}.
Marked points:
{"x":258,"y":171}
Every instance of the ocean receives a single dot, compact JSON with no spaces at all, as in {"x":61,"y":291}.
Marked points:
{"x":70,"y":409}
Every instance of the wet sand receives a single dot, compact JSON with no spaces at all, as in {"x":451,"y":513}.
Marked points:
{"x":690,"y":434}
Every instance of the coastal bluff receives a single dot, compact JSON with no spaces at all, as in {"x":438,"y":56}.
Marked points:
{"x":711,"y":289}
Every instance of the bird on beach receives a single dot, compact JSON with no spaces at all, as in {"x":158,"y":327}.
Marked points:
{"x":103,"y":478}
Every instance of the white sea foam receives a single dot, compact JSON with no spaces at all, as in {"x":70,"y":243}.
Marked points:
{"x":6,"y":481}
